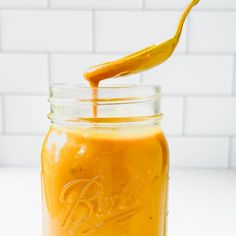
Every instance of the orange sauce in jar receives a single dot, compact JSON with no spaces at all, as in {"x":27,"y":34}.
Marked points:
{"x":103,"y":182}
{"x":109,"y":181}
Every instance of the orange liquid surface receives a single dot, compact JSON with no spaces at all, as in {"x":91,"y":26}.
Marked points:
{"x":105,"y":182}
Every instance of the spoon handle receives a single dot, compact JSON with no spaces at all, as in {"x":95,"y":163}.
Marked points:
{"x":183,"y":18}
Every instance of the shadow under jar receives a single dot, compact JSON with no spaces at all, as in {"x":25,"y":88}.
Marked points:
{"x":105,"y":175}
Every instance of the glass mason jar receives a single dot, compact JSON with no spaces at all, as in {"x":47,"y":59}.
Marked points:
{"x":105,"y":175}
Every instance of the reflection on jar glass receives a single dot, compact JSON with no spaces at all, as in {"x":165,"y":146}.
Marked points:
{"x":105,"y":175}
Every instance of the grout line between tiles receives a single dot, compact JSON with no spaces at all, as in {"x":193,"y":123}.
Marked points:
{"x":23,"y":134}
{"x":200,"y":95}
{"x":110,"y":53}
{"x":137,"y":9}
{"x":200,"y":136}
{"x":3,"y":115}
{"x":41,"y":8}
{"x":234,"y":77}
{"x":17,"y":51}
{"x":23,"y":94}
{"x":24,"y":52}
{"x":194,"y":10}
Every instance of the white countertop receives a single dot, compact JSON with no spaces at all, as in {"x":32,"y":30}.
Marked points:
{"x":201,"y":202}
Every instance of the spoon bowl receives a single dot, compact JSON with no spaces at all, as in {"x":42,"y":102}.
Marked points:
{"x":142,"y":60}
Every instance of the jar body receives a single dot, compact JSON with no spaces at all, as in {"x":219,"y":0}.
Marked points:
{"x":103,"y":181}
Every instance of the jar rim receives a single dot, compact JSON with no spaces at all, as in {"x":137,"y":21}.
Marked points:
{"x":83,"y":86}
{"x":110,"y":94}
{"x":116,"y":104}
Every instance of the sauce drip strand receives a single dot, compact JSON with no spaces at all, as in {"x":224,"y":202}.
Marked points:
{"x":137,"y":62}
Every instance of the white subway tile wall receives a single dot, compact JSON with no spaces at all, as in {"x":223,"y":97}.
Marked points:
{"x":234,"y":78}
{"x":172,"y":108}
{"x":23,"y":73}
{"x":211,"y":116}
{"x":218,"y":4}
{"x":23,"y":3}
{"x":124,"y":31}
{"x":20,"y":150}
{"x":179,"y":4}
{"x":212,"y":32}
{"x":44,"y":31}
{"x":199,"y":151}
{"x":194,"y":74}
{"x":26,"y":114}
{"x":51,"y":41}
{"x":165,"y":4}
{"x":95,"y":4}
{"x":1,"y":114}
{"x":233,"y":153}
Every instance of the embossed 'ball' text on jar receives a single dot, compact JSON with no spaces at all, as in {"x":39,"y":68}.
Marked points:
{"x":105,"y":175}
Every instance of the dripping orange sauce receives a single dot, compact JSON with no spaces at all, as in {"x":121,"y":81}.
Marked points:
{"x":137,"y":62}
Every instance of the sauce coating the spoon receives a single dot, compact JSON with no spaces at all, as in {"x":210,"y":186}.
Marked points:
{"x":137,"y":62}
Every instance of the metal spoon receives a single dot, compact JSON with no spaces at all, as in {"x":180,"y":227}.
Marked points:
{"x":142,"y":60}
